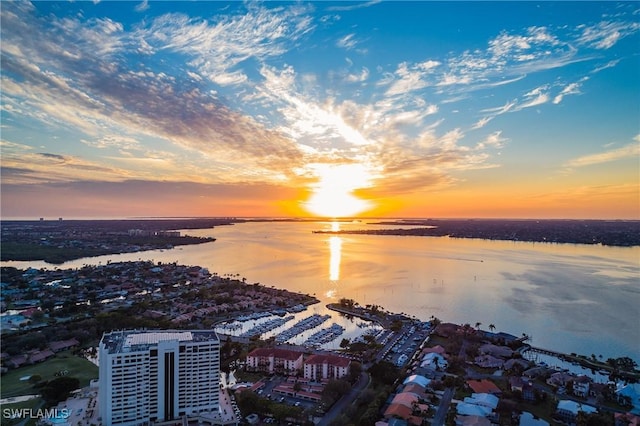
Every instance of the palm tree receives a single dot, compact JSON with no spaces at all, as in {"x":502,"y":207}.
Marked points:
{"x":478,"y":324}
{"x":492,"y":327}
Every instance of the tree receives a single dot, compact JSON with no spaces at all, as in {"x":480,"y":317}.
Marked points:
{"x":384,"y":372}
{"x":333,"y":390}
{"x":492,"y":327}
{"x":58,"y":389}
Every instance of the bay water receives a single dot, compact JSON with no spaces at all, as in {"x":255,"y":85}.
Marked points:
{"x":575,"y":298}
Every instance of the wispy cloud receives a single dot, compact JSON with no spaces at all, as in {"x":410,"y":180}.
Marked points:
{"x":353,"y":6}
{"x":631,"y":150}
{"x":71,"y":76}
{"x":605,"y":34}
{"x":347,"y":42}
{"x":570,"y":89}
{"x":142,"y":6}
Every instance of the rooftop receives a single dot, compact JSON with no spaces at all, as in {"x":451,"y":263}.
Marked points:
{"x":140,"y":340}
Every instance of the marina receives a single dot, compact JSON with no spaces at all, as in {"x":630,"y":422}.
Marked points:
{"x":301,"y":326}
{"x":265,"y":327}
{"x":325,"y":335}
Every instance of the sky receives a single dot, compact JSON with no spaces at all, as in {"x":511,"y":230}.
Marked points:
{"x":372,"y":109}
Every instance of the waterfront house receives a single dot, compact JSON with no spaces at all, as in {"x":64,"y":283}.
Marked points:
{"x":488,"y":361}
{"x":581,"y":386}
{"x":560,"y":379}
{"x":496,"y":351}
{"x":568,"y":410}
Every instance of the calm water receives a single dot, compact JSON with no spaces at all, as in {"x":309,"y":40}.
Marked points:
{"x":571,"y":298}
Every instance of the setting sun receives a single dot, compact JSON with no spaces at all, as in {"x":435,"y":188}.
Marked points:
{"x":333,"y":195}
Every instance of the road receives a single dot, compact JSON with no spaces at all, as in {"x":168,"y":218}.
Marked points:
{"x":443,"y":408}
{"x":348,"y":399}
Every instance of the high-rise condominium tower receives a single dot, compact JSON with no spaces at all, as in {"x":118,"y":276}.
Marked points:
{"x":148,"y":376}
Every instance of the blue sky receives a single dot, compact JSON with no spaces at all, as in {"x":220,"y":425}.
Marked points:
{"x":500,"y":109}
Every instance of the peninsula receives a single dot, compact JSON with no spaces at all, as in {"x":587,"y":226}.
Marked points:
{"x":625,"y":233}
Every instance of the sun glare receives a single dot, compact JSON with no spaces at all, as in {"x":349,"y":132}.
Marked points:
{"x":333,"y":195}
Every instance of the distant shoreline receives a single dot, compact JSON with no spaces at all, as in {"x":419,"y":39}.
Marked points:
{"x":590,"y":232}
{"x":57,"y":241}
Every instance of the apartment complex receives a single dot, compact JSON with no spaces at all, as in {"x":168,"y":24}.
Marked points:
{"x":325,"y":367}
{"x":154,"y":376}
{"x":274,"y":360}
{"x":284,"y":361}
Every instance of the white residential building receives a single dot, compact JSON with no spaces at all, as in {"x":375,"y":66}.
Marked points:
{"x":150,"y":376}
{"x":274,"y":360}
{"x":325,"y":367}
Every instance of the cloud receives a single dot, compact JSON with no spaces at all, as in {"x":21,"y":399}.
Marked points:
{"x":481,"y":123}
{"x":353,"y":7}
{"x":570,"y":89}
{"x":535,"y":97}
{"x":347,"y":42}
{"x":74,"y":75}
{"x":407,"y":80}
{"x":358,"y":78}
{"x":142,"y":6}
{"x":609,"y":64}
{"x":216,"y":48}
{"x":605,"y":35}
{"x":631,"y":150}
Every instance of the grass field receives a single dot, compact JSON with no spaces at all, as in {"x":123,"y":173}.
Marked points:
{"x":77,"y":367}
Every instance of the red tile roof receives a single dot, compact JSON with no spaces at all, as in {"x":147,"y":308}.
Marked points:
{"x":276,"y":353}
{"x":338,"y":361}
{"x":483,"y":386}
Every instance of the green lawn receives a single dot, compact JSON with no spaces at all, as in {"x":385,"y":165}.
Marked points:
{"x":77,"y":367}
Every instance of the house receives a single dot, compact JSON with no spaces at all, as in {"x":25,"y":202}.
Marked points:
{"x":39,"y":356}
{"x":466,"y":409}
{"x":496,"y":351}
{"x":484,"y":386}
{"x":630,"y":394}
{"x":63,"y":345}
{"x":274,"y":360}
{"x":483,"y":399}
{"x":512,"y":363}
{"x":472,"y":421}
{"x":581,"y":386}
{"x":435,"y":349}
{"x":525,"y":387}
{"x":433,"y":361}
{"x":404,"y":405}
{"x":323,"y":367}
{"x":17,"y":361}
{"x":626,"y":419}
{"x":489,"y":361}
{"x":416,"y":379}
{"x":527,"y":419}
{"x":568,"y":410}
{"x":560,"y":379}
